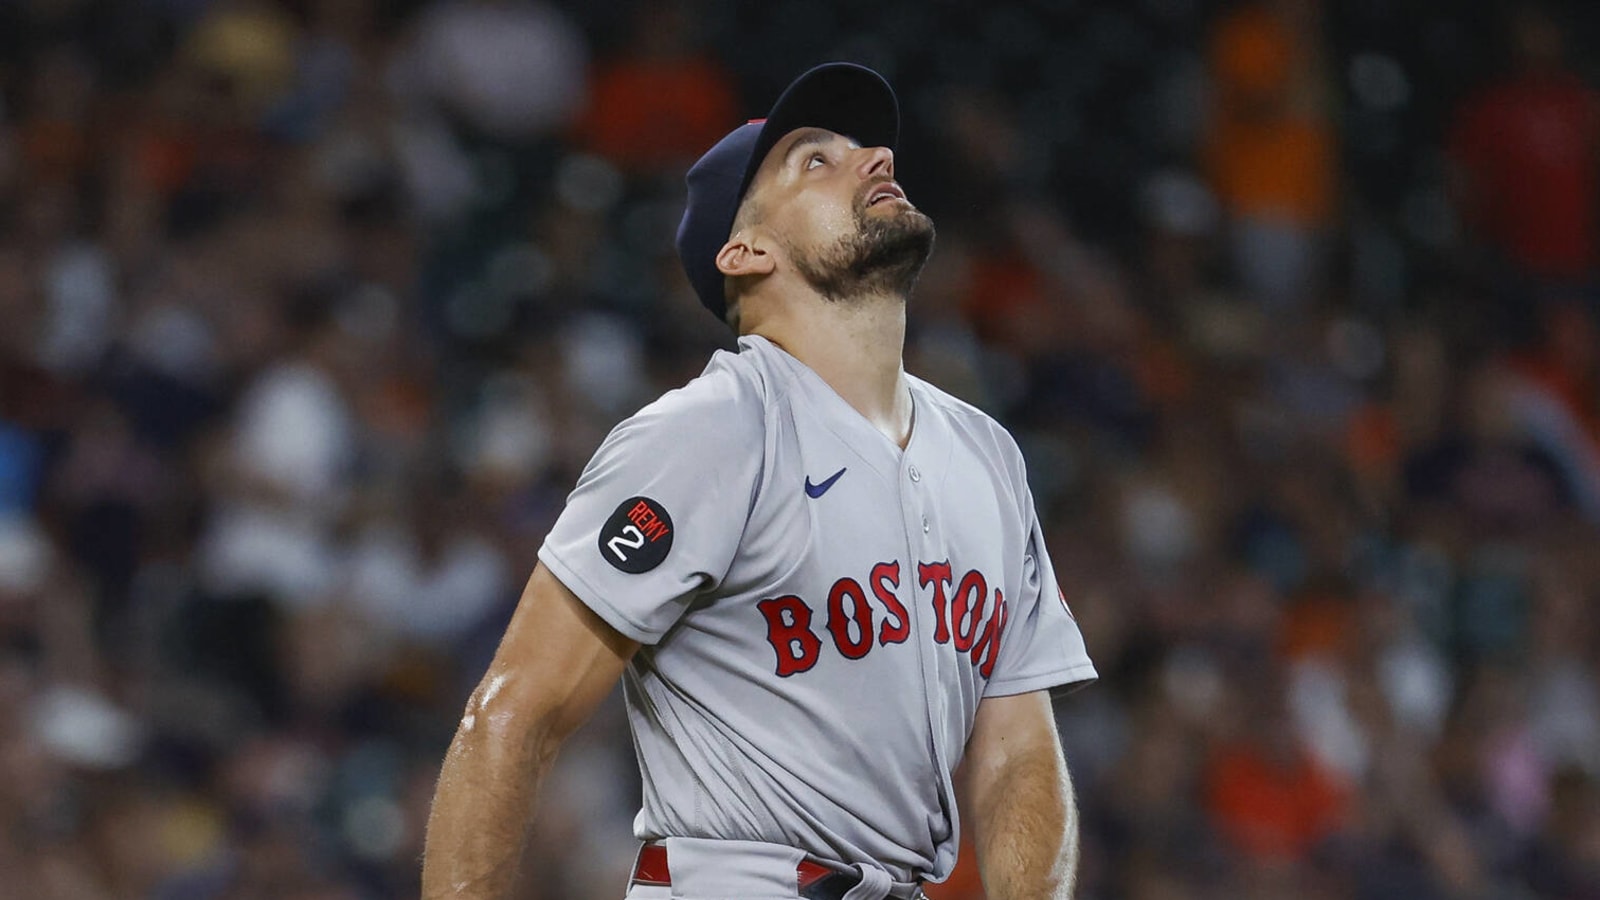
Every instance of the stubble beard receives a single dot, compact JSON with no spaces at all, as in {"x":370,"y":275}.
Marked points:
{"x":883,"y":257}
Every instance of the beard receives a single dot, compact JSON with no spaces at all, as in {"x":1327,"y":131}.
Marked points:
{"x":884,"y":256}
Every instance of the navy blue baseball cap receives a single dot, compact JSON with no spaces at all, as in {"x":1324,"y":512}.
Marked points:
{"x":844,"y":98}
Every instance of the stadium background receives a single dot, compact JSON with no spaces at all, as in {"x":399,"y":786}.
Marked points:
{"x":311,"y":311}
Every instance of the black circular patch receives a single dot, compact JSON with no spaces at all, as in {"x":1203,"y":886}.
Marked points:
{"x":637,"y":536}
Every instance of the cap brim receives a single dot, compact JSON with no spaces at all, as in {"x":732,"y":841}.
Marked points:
{"x":840,"y":97}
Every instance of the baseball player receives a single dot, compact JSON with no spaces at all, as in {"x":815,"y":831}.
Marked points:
{"x":821,"y":579}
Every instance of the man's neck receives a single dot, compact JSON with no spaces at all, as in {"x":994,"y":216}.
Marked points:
{"x":856,"y":346}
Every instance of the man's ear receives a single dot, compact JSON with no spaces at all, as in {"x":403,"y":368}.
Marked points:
{"x":744,"y":255}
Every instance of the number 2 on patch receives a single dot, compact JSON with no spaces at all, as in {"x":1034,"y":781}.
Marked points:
{"x":637,"y":536}
{"x":616,"y":544}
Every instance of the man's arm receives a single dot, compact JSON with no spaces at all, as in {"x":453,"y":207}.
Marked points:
{"x":1019,"y":800}
{"x":555,"y":664}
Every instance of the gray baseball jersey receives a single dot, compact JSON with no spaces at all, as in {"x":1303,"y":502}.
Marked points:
{"x":821,"y":612}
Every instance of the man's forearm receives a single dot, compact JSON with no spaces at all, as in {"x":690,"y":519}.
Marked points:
{"x":483,"y":806}
{"x":1028,"y":832}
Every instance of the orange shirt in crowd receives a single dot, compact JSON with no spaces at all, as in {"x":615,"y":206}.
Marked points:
{"x":1266,"y":152}
{"x":655,"y":115}
{"x":1270,"y":809}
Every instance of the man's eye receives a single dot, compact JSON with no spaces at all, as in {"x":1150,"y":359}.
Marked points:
{"x":815,"y":160}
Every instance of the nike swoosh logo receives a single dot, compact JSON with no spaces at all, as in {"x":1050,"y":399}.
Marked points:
{"x":817,"y":490}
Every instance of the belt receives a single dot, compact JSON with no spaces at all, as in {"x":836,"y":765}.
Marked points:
{"x":815,"y":881}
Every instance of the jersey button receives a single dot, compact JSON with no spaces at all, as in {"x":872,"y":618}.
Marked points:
{"x":915,"y":475}
{"x":924,"y":524}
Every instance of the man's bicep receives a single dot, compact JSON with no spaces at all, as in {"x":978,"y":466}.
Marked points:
{"x":557,"y":660}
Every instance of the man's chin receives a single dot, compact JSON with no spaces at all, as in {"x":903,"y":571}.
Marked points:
{"x":885,"y":256}
{"x":904,"y":232}
{"x":899,"y":247}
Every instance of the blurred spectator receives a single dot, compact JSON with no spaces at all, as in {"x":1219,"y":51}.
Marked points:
{"x":661,"y":101}
{"x":244,"y":53}
{"x":428,"y":576}
{"x":1267,"y":795}
{"x":285,"y":477}
{"x":510,"y":70}
{"x":55,"y":139}
{"x":1269,"y":147}
{"x":1527,"y":148}
{"x":1565,"y":861}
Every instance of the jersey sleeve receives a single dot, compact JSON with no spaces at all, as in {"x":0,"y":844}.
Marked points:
{"x":658,"y":513}
{"x":1040,"y":645}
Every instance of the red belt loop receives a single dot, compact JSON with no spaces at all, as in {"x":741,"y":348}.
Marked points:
{"x":651,"y":868}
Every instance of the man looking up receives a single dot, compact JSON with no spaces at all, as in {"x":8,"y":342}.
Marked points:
{"x":821,"y":579}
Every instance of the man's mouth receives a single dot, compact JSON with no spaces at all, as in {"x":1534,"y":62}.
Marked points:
{"x":884,"y":192}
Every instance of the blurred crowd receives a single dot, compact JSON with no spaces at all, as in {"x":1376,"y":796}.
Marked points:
{"x":311,"y":311}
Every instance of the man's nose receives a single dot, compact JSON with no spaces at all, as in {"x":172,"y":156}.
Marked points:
{"x":876,"y":162}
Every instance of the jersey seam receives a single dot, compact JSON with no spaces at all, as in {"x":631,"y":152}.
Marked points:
{"x":774,"y":395}
{"x":757,"y":488}
{"x":952,"y":403}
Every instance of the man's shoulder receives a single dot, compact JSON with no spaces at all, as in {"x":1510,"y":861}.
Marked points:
{"x":961,"y":414}
{"x":971,"y":425}
{"x":728,"y":399}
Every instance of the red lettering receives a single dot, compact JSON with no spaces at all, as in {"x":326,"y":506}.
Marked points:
{"x":796,"y":647}
{"x":966,"y":609}
{"x":988,"y":644}
{"x":885,"y":578}
{"x":650,"y":524}
{"x":964,"y":614}
{"x":937,"y":576}
{"x":839,"y":622}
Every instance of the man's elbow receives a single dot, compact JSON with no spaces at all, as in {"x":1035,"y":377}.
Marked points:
{"x":510,"y":720}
